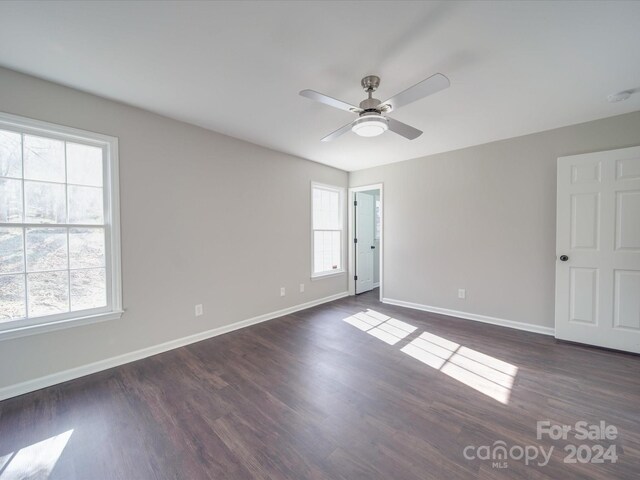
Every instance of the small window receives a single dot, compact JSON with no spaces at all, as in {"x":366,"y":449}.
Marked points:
{"x":327,"y":227}
{"x":59,"y":232}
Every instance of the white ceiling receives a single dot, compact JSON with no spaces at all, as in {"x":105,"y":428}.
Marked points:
{"x":237,"y":67}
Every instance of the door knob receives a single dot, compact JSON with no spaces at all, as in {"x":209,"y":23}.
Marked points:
{"x":564,"y":258}
{"x":372,"y":247}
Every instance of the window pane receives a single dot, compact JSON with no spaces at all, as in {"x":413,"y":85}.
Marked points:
{"x":86,"y":247}
{"x":10,"y":201}
{"x":46,"y":249}
{"x":11,"y":250}
{"x":85,"y":205}
{"x":84,"y":164}
{"x":326,"y":209}
{"x":11,"y":297}
{"x":88,"y":289}
{"x":44,"y":203}
{"x":326,"y":251}
{"x":43,"y":159}
{"x":10,"y":154}
{"x":48,"y":293}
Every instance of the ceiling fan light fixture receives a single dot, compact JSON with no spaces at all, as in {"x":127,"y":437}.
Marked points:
{"x":370,"y":126}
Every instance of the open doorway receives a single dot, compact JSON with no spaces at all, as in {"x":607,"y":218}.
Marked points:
{"x":366,"y":239}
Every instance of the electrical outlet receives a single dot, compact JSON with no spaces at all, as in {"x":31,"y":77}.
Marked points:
{"x":302,"y":288}
{"x":199,"y":310}
{"x":283,"y":292}
{"x":462,"y":293}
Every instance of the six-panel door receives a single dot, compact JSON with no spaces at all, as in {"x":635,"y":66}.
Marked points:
{"x":598,"y":228}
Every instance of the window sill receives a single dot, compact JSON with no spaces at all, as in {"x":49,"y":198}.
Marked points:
{"x":333,"y":273}
{"x":21,"y":331}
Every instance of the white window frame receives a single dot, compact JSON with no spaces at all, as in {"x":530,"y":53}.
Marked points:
{"x":341,"y":192}
{"x":113,"y":309}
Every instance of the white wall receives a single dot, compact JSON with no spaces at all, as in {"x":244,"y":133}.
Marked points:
{"x":205,"y":219}
{"x":483,"y":219}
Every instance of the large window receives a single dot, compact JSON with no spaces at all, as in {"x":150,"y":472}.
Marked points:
{"x":327,"y":225}
{"x":59,"y":233}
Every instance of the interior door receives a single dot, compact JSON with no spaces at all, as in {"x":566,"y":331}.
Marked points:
{"x":365,"y":247}
{"x":598,"y":249}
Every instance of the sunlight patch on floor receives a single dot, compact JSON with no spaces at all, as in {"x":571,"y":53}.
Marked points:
{"x":488,"y":375}
{"x":484,"y":373}
{"x":34,"y":461}
{"x":383,"y":327}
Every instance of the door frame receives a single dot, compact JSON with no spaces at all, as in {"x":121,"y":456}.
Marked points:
{"x":352,"y":231}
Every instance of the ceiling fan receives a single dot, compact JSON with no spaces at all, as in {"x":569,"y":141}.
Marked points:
{"x":371,"y":122}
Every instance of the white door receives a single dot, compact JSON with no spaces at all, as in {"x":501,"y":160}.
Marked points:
{"x":365,"y":246}
{"x":598,"y":249}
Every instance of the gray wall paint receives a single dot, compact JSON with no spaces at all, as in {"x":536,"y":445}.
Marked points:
{"x":205,"y":219}
{"x":483,"y":218}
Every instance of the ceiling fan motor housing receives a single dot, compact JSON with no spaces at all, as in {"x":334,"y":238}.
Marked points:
{"x":370,"y":105}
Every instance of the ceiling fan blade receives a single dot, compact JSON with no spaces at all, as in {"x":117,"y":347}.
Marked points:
{"x":337,"y":133}
{"x":332,"y":102}
{"x":431,"y":85}
{"x":403,"y":129}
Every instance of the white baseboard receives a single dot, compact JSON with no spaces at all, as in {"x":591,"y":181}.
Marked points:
{"x":527,"y":327}
{"x":66,"y":375}
{"x":376,"y":285}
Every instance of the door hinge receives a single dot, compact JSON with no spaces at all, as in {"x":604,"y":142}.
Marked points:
{"x":355,"y":277}
{"x":355,"y":203}
{"x":355,"y":240}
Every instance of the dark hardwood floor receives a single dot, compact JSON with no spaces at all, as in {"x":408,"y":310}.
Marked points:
{"x":312,"y":396}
